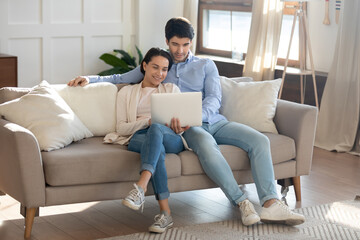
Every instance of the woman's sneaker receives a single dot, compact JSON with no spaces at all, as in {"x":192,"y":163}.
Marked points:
{"x":135,"y":199}
{"x":162,"y":222}
{"x":278,"y":212}
{"x":248,"y":214}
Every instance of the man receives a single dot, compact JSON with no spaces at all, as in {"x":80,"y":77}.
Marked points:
{"x":191,"y":74}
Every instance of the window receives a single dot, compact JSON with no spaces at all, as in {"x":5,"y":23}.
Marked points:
{"x":224,"y":26}
{"x":224,"y":29}
{"x":287,"y":22}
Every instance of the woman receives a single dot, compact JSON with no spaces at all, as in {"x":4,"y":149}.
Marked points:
{"x":152,"y":141}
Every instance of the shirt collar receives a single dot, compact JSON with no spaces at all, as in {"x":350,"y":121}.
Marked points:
{"x":189,"y":57}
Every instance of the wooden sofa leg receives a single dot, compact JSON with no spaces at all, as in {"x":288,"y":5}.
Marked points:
{"x":297,"y":187}
{"x":29,"y":220}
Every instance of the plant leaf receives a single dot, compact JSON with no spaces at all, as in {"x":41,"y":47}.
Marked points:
{"x":126,"y":57}
{"x":139,"y":54}
{"x":113,"y":60}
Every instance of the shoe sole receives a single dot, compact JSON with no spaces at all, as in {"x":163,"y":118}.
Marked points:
{"x":160,"y":230}
{"x":290,"y":222}
{"x":130,"y":205}
{"x":251,"y":223}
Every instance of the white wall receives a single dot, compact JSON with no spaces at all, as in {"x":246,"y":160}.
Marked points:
{"x":153,"y":15}
{"x":322,"y":37}
{"x":56,"y":42}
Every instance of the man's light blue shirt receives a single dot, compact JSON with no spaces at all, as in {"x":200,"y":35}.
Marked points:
{"x":193,"y":75}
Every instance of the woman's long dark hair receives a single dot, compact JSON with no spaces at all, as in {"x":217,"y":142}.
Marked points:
{"x":153,"y":52}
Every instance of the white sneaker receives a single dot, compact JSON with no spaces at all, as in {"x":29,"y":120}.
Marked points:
{"x":135,"y":199}
{"x":278,"y":212}
{"x":162,"y":222}
{"x":248,"y":214}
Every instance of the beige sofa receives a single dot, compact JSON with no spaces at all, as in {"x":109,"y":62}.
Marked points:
{"x":89,"y":170}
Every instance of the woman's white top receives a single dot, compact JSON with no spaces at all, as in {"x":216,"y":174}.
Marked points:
{"x":133,"y":110}
{"x":144,"y":106}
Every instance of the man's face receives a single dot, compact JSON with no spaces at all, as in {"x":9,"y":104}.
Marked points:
{"x":179,"y":48}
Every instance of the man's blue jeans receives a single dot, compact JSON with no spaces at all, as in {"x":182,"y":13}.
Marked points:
{"x":205,"y":140}
{"x":153,"y":143}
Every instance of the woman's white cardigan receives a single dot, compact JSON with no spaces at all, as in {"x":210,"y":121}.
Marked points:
{"x":126,"y":112}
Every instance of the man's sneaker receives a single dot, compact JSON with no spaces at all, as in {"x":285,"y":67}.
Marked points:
{"x":248,"y":214}
{"x":135,"y":199}
{"x":162,"y":222}
{"x":278,"y":212}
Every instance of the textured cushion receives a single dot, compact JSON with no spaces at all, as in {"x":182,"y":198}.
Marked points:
{"x":282,"y":149}
{"x":47,"y":116}
{"x":90,"y":161}
{"x":94,"y":104}
{"x":250,"y":103}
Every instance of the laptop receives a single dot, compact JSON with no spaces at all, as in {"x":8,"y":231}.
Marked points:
{"x":185,"y":106}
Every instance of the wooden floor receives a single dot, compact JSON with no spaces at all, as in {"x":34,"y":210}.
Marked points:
{"x":334,"y":177}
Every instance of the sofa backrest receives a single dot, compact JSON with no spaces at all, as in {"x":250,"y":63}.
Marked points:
{"x":10,"y":93}
{"x":95,"y":104}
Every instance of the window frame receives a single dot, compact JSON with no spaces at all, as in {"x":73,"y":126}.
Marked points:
{"x":289,"y":9}
{"x":235,"y":5}
{"x":226,"y":5}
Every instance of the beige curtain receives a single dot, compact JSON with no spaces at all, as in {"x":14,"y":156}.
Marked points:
{"x":338,"y":122}
{"x":264,"y":39}
{"x":191,"y":13}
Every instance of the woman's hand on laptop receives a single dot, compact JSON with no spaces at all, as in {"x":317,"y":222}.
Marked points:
{"x":79,"y":81}
{"x":176,"y":126}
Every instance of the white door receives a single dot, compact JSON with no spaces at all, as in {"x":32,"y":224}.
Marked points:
{"x":57,"y":40}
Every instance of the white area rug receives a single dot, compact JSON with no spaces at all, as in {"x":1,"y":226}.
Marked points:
{"x":339,"y":220}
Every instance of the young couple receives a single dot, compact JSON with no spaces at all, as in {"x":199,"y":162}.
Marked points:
{"x":180,"y":69}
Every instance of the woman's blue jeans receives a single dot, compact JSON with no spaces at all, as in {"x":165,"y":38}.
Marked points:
{"x":153,"y":143}
{"x":205,"y":140}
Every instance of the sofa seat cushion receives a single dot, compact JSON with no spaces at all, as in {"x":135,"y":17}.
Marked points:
{"x":90,"y":161}
{"x":282,"y":150}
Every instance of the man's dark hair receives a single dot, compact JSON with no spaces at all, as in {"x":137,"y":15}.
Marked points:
{"x":179,"y":27}
{"x":153,"y":52}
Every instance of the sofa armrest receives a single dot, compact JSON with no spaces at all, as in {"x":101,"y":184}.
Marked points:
{"x":21,"y":171}
{"x":298,"y":121}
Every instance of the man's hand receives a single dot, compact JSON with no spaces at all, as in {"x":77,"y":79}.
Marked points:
{"x":176,"y":126}
{"x":79,"y":81}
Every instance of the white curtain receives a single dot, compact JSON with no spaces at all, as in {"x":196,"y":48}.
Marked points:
{"x":191,"y":13}
{"x":338,"y":122}
{"x":264,"y":39}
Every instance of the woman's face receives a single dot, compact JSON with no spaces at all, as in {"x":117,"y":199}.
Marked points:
{"x":155,"y":71}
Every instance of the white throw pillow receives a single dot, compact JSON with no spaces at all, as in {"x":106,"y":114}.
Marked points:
{"x":250,"y":103}
{"x":47,"y":116}
{"x":94,"y":104}
{"x":239,"y":79}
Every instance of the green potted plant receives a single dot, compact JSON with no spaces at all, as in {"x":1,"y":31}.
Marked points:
{"x":121,"y":61}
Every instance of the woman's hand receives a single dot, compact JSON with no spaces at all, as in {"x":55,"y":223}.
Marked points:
{"x":176,"y":126}
{"x":79,"y":81}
